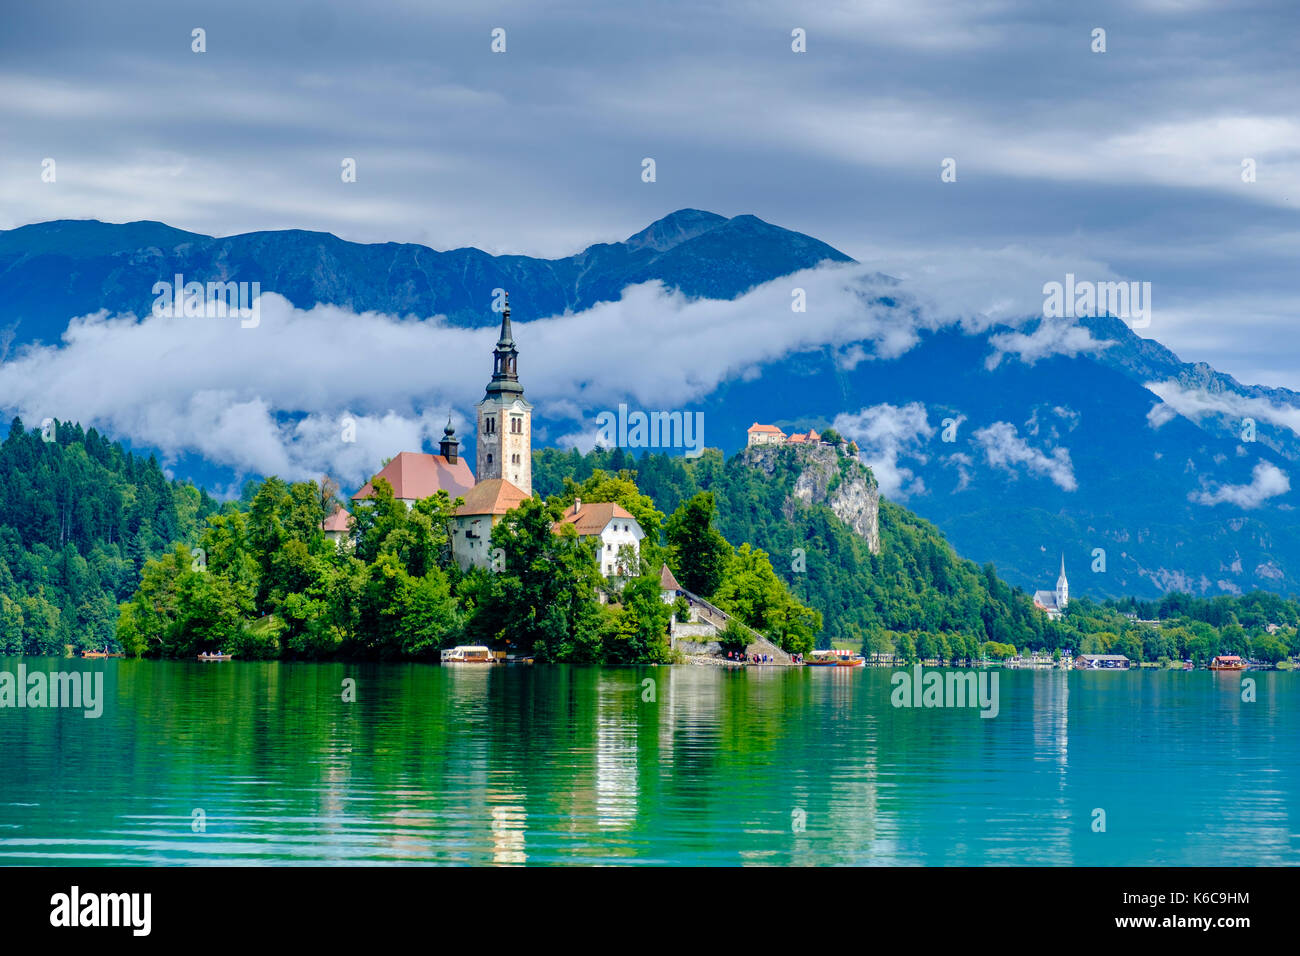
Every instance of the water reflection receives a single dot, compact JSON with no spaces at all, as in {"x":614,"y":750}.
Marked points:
{"x":502,"y":765}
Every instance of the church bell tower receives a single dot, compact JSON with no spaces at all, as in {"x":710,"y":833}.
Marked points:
{"x":1062,"y":587}
{"x":505,"y":419}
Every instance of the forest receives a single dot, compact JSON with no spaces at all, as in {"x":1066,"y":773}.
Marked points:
{"x":263,"y":581}
{"x":99,"y":548}
{"x":80,"y":517}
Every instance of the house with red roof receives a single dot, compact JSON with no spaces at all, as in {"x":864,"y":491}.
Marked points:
{"x":804,"y":438}
{"x":765,"y":435}
{"x":614,"y":528}
{"x":485,"y":505}
{"x":338,"y":526}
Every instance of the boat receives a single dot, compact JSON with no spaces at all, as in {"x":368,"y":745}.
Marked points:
{"x":468,"y":654}
{"x":216,"y":657}
{"x":835,"y":658}
{"x":88,"y":655}
{"x":1227,"y":662}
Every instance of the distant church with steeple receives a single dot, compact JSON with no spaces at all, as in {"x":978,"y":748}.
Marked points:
{"x":1054,"y":602}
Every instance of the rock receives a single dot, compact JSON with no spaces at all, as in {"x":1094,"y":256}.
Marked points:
{"x":826,"y":476}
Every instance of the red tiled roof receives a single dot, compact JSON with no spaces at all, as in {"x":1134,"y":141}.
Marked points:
{"x":415,"y":475}
{"x":666,"y":580}
{"x":495,"y":496}
{"x":756,"y":427}
{"x":592,"y":517}
{"x":338,"y":521}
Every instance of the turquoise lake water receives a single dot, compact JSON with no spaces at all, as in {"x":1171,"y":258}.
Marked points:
{"x":264,"y":762}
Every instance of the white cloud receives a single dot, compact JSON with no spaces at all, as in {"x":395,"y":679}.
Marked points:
{"x":1266,"y":481}
{"x":884,"y":434}
{"x":269,"y":399}
{"x":1197,"y":403}
{"x":1051,"y":337}
{"x":1005,"y":449}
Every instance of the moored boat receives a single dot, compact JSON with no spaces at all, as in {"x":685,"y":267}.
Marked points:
{"x":468,"y":654}
{"x":852,"y":660}
{"x":1227,"y":662}
{"x":821,"y":659}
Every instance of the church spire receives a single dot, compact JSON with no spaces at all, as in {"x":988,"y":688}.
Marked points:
{"x":1062,"y":587}
{"x":505,"y":360}
{"x":507,"y":340}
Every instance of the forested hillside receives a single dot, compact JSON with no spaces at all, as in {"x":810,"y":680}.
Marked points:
{"x":916,"y":589}
{"x":79,"y":517}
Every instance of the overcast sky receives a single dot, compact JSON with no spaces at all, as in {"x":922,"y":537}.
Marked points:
{"x":1128,"y":161}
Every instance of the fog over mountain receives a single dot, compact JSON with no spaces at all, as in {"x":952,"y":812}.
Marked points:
{"x":1020,"y":436}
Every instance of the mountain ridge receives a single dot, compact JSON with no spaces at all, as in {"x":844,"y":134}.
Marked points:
{"x":1068,"y":452}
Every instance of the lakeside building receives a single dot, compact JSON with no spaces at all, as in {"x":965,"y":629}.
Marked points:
{"x":504,"y":466}
{"x":1054,"y":602}
{"x":1101,"y":662}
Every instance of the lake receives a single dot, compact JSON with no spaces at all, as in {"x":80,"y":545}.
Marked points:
{"x":237,"y":763}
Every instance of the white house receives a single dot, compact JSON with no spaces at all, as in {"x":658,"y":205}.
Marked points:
{"x":614,"y":526}
{"x":471,"y":533}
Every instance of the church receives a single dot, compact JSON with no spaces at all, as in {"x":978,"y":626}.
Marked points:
{"x":504,"y":466}
{"x":1054,"y":602}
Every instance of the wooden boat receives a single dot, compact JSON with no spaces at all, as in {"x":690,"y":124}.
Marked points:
{"x":216,"y":657}
{"x":822,"y":659}
{"x":468,"y":654}
{"x":853,"y":660}
{"x":1227,"y":662}
{"x":88,"y":655}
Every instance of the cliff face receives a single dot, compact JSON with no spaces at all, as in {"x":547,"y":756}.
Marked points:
{"x":824,"y":476}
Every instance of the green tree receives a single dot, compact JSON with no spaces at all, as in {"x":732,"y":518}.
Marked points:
{"x":698,"y":553}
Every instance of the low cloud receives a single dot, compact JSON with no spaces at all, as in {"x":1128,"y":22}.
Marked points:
{"x":1004,"y":448}
{"x":884,"y":434}
{"x":1197,"y":403}
{"x":1266,"y":481}
{"x":1050,"y":337}
{"x":270,"y":399}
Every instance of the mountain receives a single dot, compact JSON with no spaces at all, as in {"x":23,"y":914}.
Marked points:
{"x":52,"y":271}
{"x":1136,"y":466}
